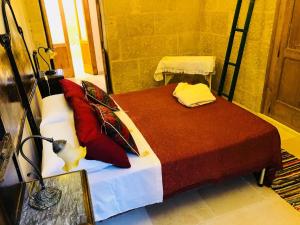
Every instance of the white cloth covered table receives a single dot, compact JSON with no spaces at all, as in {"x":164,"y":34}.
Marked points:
{"x":195,"y":65}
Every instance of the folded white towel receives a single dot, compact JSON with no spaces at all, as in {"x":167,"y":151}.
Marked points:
{"x":202,"y":65}
{"x":193,"y":95}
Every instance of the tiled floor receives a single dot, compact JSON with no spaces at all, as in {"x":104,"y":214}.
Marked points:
{"x":235,"y":202}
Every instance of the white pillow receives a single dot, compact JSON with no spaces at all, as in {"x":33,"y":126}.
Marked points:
{"x":55,"y":109}
{"x":98,"y":80}
{"x":51,"y":163}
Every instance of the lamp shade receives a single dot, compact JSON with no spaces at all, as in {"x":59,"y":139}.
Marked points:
{"x":49,"y":196}
{"x":71,"y":156}
{"x":51,"y":53}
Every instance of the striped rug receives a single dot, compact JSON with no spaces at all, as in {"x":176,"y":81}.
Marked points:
{"x":287,"y":181}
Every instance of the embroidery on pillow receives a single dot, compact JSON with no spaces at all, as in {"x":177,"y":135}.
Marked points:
{"x":113,"y":127}
{"x":97,"y":95}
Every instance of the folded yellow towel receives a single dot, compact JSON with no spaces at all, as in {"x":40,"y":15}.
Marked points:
{"x":193,"y":95}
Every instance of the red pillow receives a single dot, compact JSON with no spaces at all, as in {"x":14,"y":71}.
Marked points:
{"x":115,"y":129}
{"x":71,"y":89}
{"x":98,"y":96}
{"x":104,"y":149}
{"x":99,"y":146}
{"x":86,"y":124}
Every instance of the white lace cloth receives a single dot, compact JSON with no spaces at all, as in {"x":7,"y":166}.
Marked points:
{"x":202,"y":65}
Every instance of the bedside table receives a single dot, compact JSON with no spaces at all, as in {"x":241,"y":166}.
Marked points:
{"x":49,"y":85}
{"x":74,"y":207}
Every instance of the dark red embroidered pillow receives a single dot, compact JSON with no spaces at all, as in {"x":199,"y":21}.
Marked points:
{"x":114,"y":128}
{"x":71,"y":89}
{"x":88,"y":130}
{"x":104,"y":149}
{"x":98,"y":96}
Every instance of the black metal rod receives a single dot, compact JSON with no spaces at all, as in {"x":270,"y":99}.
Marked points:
{"x":37,"y":171}
{"x":48,"y":39}
{"x":2,"y":129}
{"x":5,"y":41}
{"x":45,"y":61}
{"x":229,"y":48}
{"x":105,"y":60}
{"x":44,"y":24}
{"x":36,"y":63}
{"x":239,"y":30}
{"x":20,"y":30}
{"x":17,"y":167}
{"x":52,"y":64}
{"x":241,"y":50}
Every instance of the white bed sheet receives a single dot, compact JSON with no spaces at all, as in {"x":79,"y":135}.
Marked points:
{"x":113,"y":190}
{"x":51,"y":163}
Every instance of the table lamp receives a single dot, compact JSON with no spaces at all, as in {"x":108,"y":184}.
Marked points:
{"x":50,"y":196}
{"x":51,"y":54}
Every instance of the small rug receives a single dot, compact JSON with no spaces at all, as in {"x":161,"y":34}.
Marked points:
{"x":287,"y":181}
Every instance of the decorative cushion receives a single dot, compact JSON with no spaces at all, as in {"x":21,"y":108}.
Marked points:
{"x":99,"y":146}
{"x":86,"y":123}
{"x":115,"y":129}
{"x":71,"y":89}
{"x":104,"y":149}
{"x":98,"y":96}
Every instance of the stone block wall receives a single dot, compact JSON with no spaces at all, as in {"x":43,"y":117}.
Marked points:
{"x":33,"y":17}
{"x":218,"y":19}
{"x":140,"y":32}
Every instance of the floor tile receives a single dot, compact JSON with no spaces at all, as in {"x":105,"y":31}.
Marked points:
{"x":265,"y":192}
{"x":230,"y":195}
{"x":266,"y":212}
{"x":292,"y":145}
{"x":239,"y":201}
{"x":187,"y":208}
{"x":134,"y":217}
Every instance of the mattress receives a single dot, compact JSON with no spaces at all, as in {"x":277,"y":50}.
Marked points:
{"x":113,"y":190}
{"x":187,"y":146}
{"x":203,"y":144}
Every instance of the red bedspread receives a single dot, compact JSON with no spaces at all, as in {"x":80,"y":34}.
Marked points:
{"x":202,"y":144}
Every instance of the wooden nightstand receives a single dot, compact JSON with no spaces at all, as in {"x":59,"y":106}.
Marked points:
{"x":73,"y":208}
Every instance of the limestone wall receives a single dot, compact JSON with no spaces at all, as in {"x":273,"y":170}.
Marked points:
{"x":140,"y":32}
{"x":35,"y":27}
{"x":218,"y":15}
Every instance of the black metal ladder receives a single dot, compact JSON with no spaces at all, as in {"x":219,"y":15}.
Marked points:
{"x":237,"y":64}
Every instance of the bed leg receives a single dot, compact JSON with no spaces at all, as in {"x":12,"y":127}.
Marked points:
{"x":262,"y":177}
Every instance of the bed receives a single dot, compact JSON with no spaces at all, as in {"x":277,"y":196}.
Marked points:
{"x":185,"y":148}
{"x":209,"y":143}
